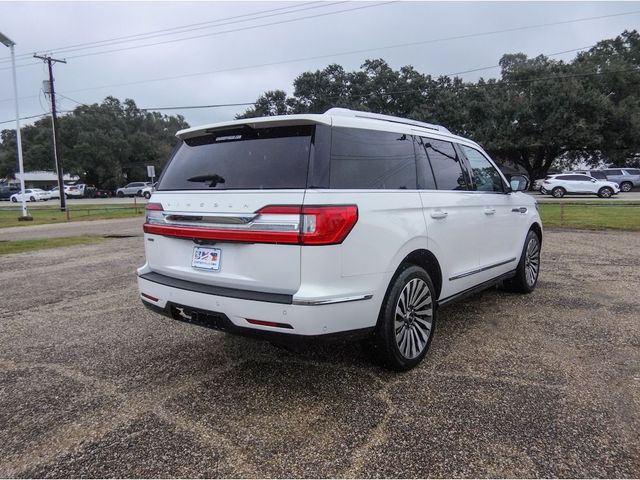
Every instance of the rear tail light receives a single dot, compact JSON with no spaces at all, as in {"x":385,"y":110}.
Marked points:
{"x":153,"y":213}
{"x":280,"y":224}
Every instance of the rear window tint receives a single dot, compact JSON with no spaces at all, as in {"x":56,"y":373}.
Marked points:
{"x":369,"y":159}
{"x":242,"y":158}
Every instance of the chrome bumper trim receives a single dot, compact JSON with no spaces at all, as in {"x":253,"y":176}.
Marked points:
{"x":329,"y":301}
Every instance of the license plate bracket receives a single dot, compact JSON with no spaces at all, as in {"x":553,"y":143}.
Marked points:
{"x":206,"y":258}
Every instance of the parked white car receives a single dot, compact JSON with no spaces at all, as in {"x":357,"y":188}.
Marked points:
{"x":574,"y":183}
{"x":74,"y":191}
{"x":347,"y":223}
{"x":44,"y":195}
{"x":148,"y":190}
{"x":133,"y":189}
{"x":54,"y":192}
{"x":30,"y":195}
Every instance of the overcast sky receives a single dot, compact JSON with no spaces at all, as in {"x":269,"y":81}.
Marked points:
{"x":45,"y":27}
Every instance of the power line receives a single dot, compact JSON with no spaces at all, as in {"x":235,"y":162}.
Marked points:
{"x":191,"y":107}
{"x":166,"y":30}
{"x":26,"y":118}
{"x":283,"y":62}
{"x":251,"y":27}
{"x":499,"y":83}
{"x":351,"y":52}
{"x":456,"y":37}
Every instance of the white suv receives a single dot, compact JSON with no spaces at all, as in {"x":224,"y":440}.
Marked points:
{"x":577,"y":183}
{"x":342,"y":224}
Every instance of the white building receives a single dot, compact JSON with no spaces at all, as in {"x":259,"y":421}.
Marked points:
{"x":44,"y":178}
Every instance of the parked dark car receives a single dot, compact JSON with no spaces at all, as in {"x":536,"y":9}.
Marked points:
{"x":6,"y":190}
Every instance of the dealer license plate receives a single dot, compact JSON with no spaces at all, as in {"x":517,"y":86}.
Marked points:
{"x":206,"y":258}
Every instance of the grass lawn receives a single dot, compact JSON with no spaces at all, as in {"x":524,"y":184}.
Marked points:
{"x":42,"y":243}
{"x":49,"y":214}
{"x":591,"y":217}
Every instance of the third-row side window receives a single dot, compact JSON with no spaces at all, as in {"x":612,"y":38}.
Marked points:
{"x":367,"y":159}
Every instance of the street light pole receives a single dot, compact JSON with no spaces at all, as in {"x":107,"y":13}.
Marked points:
{"x":9,"y":43}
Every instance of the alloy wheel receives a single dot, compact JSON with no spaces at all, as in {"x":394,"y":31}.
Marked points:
{"x":413,"y":318}
{"x":532,"y":261}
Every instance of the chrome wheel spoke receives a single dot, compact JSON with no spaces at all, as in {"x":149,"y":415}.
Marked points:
{"x":532,"y":262}
{"x":413,"y":318}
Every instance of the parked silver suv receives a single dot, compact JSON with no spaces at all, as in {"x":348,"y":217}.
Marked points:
{"x":627,"y":178}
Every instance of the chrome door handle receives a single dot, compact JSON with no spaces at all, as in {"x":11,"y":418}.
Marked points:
{"x":489,"y":211}
{"x":439,"y":214}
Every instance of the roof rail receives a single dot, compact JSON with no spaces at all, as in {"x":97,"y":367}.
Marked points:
{"x":345,"y":112}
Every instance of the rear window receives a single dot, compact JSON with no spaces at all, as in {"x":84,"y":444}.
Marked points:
{"x":242,"y":158}
{"x":633,"y":171}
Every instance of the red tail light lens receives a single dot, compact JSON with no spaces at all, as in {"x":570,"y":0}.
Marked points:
{"x":278,"y":224}
{"x":327,"y":225}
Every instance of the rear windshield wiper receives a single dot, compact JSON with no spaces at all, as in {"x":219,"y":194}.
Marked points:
{"x":214,"y":178}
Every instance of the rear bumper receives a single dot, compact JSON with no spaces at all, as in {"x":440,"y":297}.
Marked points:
{"x":219,"y":321}
{"x":231,"y":310}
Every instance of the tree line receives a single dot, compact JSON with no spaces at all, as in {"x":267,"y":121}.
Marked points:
{"x":106,"y":144}
{"x":539,"y":113}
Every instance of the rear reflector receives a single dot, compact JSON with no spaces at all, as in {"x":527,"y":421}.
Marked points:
{"x":276,"y":224}
{"x":153,"y":299}
{"x":264,"y":323}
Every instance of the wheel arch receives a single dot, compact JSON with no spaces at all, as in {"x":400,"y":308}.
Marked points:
{"x":425,"y":259}
{"x":536,"y":227}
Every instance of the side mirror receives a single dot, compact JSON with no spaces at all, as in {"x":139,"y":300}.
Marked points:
{"x":519,"y":183}
{"x":593,"y":180}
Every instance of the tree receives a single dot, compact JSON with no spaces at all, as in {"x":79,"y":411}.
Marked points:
{"x":105,"y":144}
{"x":538,"y":112}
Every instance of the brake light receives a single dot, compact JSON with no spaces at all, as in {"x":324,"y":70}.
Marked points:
{"x":278,"y":224}
{"x":327,"y":225}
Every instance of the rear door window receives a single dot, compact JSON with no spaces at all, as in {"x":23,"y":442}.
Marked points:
{"x":613,"y":172}
{"x":599,"y":175}
{"x":242,"y":158}
{"x":371,"y":159}
{"x":446,"y":166}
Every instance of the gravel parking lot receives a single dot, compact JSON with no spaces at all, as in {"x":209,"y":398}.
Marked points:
{"x":94,"y":385}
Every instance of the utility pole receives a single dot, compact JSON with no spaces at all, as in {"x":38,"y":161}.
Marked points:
{"x":54,"y":122}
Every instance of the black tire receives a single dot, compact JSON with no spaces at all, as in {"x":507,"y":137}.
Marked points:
{"x":32,"y":199}
{"x":399,"y":342}
{"x":626,"y":186}
{"x":120,"y":195}
{"x":558,"y":192}
{"x":605,"y":192}
{"x":139,"y":193}
{"x":147,"y":195}
{"x":14,"y":199}
{"x":528,"y":270}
